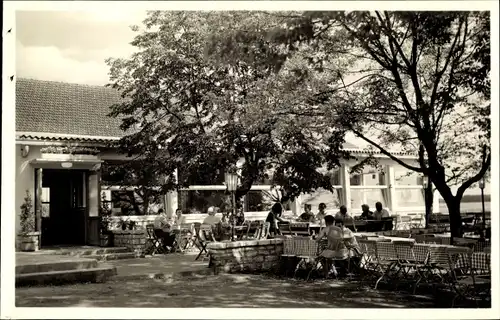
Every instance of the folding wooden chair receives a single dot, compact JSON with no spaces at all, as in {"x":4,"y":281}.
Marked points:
{"x":253,"y":231}
{"x":264,"y":233}
{"x":184,"y":238}
{"x":404,"y":223}
{"x":387,"y":260}
{"x":205,"y":236}
{"x":241,"y":231}
{"x":153,"y":243}
{"x":284,"y":229}
{"x":288,"y":253}
{"x":417,"y":220}
{"x":300,"y":229}
{"x":465,"y":282}
{"x":305,"y":249}
{"x":369,"y":263}
{"x":409,"y":266}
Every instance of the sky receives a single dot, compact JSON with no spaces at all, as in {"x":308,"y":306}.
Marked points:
{"x":71,"y":46}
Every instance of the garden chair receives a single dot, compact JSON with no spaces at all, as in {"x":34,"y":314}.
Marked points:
{"x":184,"y":239}
{"x":264,"y":232}
{"x":205,"y":236}
{"x":153,"y":243}
{"x":482,"y":246}
{"x":253,"y":231}
{"x":300,"y":229}
{"x":242,"y":231}
{"x":409,"y":263}
{"x":387,"y":261}
{"x":465,"y":281}
{"x":369,"y":263}
{"x":305,"y":249}
{"x":417,"y":220}
{"x":288,"y":253}
{"x":403,"y":222}
{"x":436,"y":268}
{"x":284,"y":229}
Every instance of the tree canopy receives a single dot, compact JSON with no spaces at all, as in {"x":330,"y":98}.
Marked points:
{"x":183,"y":111}
{"x":412,"y":81}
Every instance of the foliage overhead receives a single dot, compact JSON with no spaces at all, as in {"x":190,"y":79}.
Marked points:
{"x":182,"y":111}
{"x":413,"y":81}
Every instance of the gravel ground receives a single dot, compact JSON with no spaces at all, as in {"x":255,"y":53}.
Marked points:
{"x":219,"y":291}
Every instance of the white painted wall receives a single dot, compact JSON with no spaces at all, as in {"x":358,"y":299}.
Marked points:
{"x":25,"y":178}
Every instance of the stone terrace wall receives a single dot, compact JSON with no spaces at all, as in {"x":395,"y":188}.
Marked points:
{"x":132,"y":239}
{"x":246,"y":256}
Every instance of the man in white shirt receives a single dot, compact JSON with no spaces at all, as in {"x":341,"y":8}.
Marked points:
{"x":211,"y":219}
{"x":380,"y":213}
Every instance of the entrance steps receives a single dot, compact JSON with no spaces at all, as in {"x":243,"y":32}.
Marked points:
{"x":97,"y":253}
{"x":50,"y":269}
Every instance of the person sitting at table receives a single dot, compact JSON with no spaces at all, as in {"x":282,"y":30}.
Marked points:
{"x":380,"y":212}
{"x":179,"y":217}
{"x":334,"y":248}
{"x":162,"y":230}
{"x":307,"y":216}
{"x":366,"y":214}
{"x":341,"y":243}
{"x":211,"y":219}
{"x":273,"y":217}
{"x":344,"y":216}
{"x":321,"y":213}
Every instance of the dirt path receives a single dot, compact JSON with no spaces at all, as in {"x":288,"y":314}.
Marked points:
{"x":218,"y":291}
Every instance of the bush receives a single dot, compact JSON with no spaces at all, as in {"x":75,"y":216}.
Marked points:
{"x":27,"y":216}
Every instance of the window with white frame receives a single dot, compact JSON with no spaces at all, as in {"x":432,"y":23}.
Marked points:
{"x":369,"y":189}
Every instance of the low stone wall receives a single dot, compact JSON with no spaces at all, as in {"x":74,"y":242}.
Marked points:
{"x":246,"y":256}
{"x":132,"y":239}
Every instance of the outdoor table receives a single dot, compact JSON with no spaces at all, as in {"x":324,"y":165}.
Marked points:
{"x":399,"y":239}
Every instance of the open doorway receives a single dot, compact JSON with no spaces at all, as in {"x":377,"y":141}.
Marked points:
{"x":64,"y":207}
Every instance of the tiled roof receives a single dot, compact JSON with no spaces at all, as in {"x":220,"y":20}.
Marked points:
{"x":58,"y":111}
{"x":65,"y":108}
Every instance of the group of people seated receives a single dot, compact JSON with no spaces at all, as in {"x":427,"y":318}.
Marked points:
{"x":378,"y":214}
{"x":166,"y":228}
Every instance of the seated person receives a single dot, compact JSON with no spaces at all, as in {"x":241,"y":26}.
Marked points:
{"x":344,"y":216}
{"x":341,"y":241}
{"x":161,"y":220}
{"x":380,"y":212}
{"x":274,"y":217}
{"x":162,"y":229}
{"x":179,"y":218}
{"x":211,"y":219}
{"x":366,"y":214}
{"x":321,"y":213}
{"x":307,"y":216}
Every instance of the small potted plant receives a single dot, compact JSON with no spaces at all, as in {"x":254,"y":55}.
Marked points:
{"x":105,"y":235}
{"x":28,"y":238}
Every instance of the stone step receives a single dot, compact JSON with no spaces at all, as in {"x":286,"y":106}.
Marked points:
{"x":99,"y":274}
{"x":59,"y":265}
{"x":114,"y":256}
{"x":92,"y":252}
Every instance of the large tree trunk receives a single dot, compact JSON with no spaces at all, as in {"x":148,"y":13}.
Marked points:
{"x":429,"y":199}
{"x":453,"y":204}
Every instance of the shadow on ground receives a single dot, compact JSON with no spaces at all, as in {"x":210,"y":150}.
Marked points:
{"x":234,"y":291}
